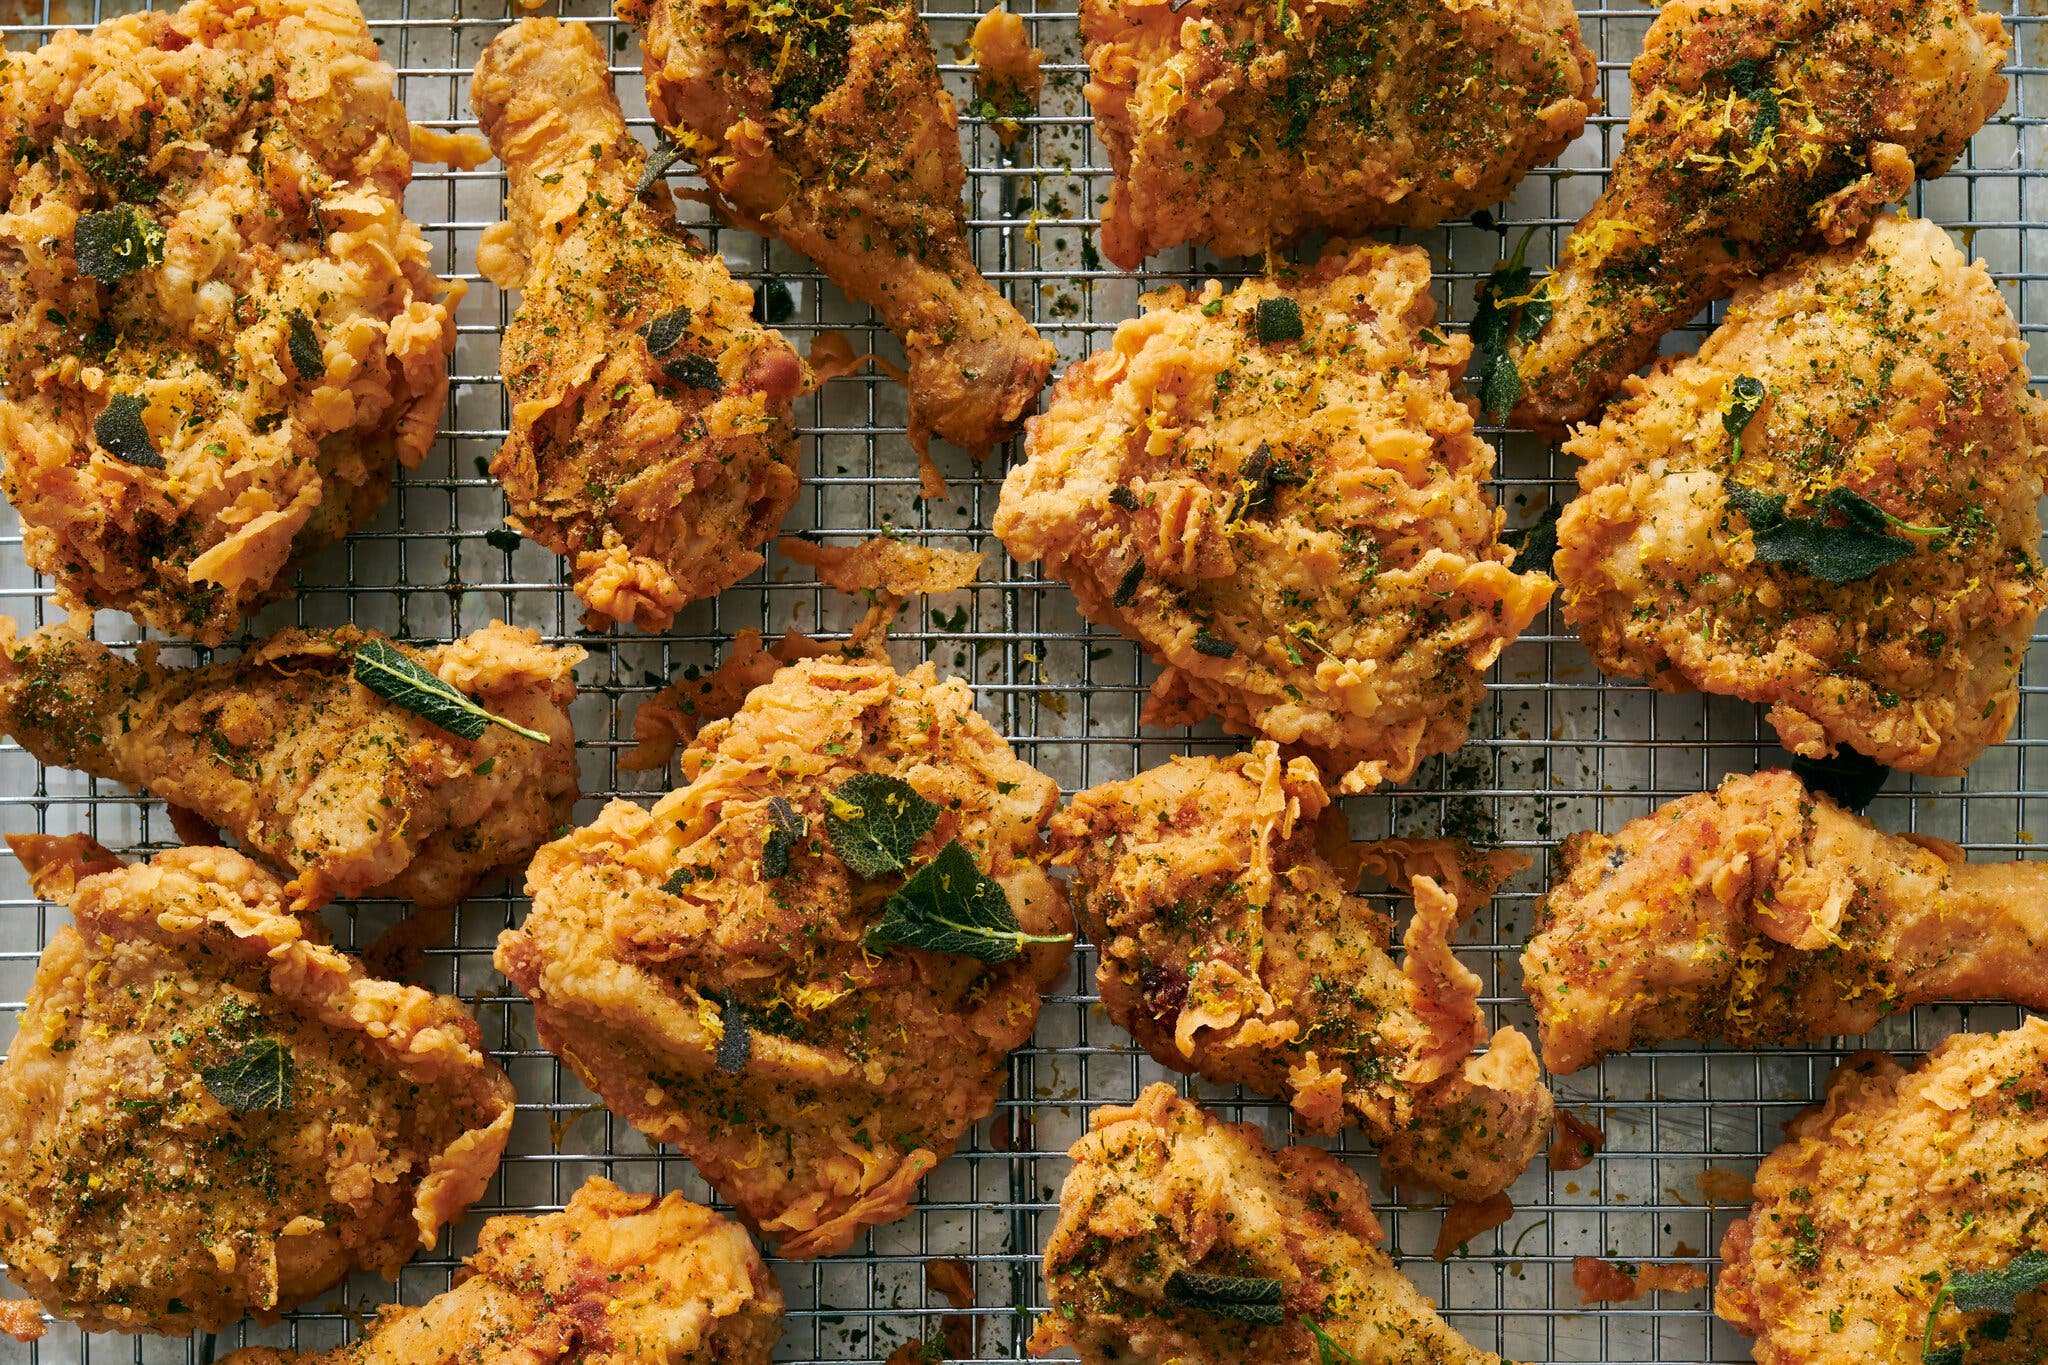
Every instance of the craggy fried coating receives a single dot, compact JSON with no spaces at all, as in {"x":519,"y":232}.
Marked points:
{"x":1847,"y":102}
{"x":1898,"y":1183}
{"x":132,"y":1197}
{"x":863,"y":1068}
{"x":309,"y":769}
{"x":1218,"y":894}
{"x":1161,"y":1187}
{"x":659,"y":462}
{"x":1243,"y":127}
{"x":1764,"y":913}
{"x":264,"y":143}
{"x":1007,"y":74}
{"x":613,"y":1279}
{"x":1299,"y":531}
{"x":1894,"y":370}
{"x":824,"y":124}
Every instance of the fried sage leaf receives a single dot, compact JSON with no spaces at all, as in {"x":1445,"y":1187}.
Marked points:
{"x":1278,"y":320}
{"x":302,"y":343}
{"x":1745,"y":396}
{"x":1228,"y":1296}
{"x":736,"y":1038}
{"x":667,"y":152}
{"x":1535,"y":546}
{"x":1851,"y":778}
{"x":1328,"y":1352}
{"x":785,"y":830}
{"x":1505,"y":309}
{"x":951,"y":906}
{"x":875,"y":820}
{"x":1983,"y":1291}
{"x":257,"y":1077}
{"x":113,"y":245}
{"x":384,"y":669}
{"x":1846,"y":553}
{"x":123,"y":434}
{"x":664,"y":332}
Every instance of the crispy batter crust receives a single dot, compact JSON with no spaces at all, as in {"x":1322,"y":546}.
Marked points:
{"x":131,"y":1197}
{"x":265,"y":140}
{"x":1349,"y":602}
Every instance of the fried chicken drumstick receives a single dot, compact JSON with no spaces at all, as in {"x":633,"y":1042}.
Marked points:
{"x":1163,"y":1196}
{"x":209,"y":1112}
{"x":1218,"y":892}
{"x":1764,"y":913}
{"x":308,"y":768}
{"x":652,"y":439}
{"x":1758,"y":130}
{"x":823,"y":124}
{"x":613,"y":1279}
{"x":1883,"y":1225}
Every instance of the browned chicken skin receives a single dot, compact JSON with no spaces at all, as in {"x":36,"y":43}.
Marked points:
{"x":613,"y":1279}
{"x":652,"y":439}
{"x":1218,"y":892}
{"x":309,"y":769}
{"x":824,"y":124}
{"x":210,"y":1112}
{"x":1902,"y":1181}
{"x":1763,"y":913}
{"x":1758,"y":129}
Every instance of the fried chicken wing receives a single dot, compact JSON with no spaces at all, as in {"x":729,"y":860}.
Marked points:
{"x":652,"y":438}
{"x":1278,"y":493}
{"x":1218,"y":893}
{"x":1881,"y":1197}
{"x":1161,"y":1190}
{"x":613,"y":1279}
{"x":309,"y":769}
{"x":209,"y":1112}
{"x":219,"y":334}
{"x":1243,"y":127}
{"x":1764,"y":913}
{"x":1758,"y":130}
{"x":709,"y":967}
{"x":823,"y":124}
{"x":1870,"y":403}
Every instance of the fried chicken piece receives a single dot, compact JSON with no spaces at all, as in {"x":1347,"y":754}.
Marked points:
{"x":1764,"y":913}
{"x":1899,"y":1183}
{"x":736,"y":1010}
{"x":823,"y":124}
{"x":613,"y":1279}
{"x":1218,"y":893}
{"x":652,"y":437}
{"x":1758,"y":130}
{"x":673,"y":716}
{"x":1243,"y":128}
{"x":1893,"y":387}
{"x":309,"y":769}
{"x":1161,"y":1188}
{"x":260,"y":340}
{"x":210,"y":1112}
{"x":1278,"y":493}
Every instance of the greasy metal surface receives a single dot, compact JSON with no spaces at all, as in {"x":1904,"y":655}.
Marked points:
{"x":1556,"y":748}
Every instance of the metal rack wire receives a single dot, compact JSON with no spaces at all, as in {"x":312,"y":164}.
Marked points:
{"x":1556,"y":748}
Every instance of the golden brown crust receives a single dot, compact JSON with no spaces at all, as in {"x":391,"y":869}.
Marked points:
{"x":660,"y":475}
{"x":266,"y":144}
{"x":1243,"y":127}
{"x":864,"y":1067}
{"x":1350,"y":604}
{"x":197,"y":1213}
{"x":1894,"y":371}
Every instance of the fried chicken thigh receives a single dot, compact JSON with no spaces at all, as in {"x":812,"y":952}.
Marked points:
{"x":1758,"y":130}
{"x":824,"y":124}
{"x":1873,"y":398}
{"x":209,"y":1112}
{"x":1279,"y":494}
{"x":219,"y":334}
{"x":309,"y":769}
{"x":1161,"y":1190}
{"x":1218,"y":892}
{"x":1764,"y":913}
{"x":1243,"y":127}
{"x":709,"y":967}
{"x":652,"y":439}
{"x":613,"y":1279}
{"x":1887,"y":1193}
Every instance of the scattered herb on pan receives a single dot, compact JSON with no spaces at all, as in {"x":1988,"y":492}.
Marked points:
{"x":1328,"y":1352}
{"x":122,"y":433}
{"x":951,"y":906}
{"x":661,"y":334}
{"x":1849,"y":552}
{"x":1983,"y":1291}
{"x":1228,"y":1296}
{"x":667,"y":152}
{"x":1278,"y":320}
{"x":1127,"y":586}
{"x":1851,"y":778}
{"x":785,"y":830}
{"x":735,"y":1038}
{"x":773,"y":303}
{"x":1745,"y":396}
{"x":302,"y":344}
{"x":381,"y":667}
{"x":1535,"y":546}
{"x":1507,"y":309}
{"x":875,"y":820}
{"x":113,"y":245}
{"x":257,"y":1077}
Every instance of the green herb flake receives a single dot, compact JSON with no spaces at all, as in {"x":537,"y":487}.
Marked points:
{"x":257,"y":1077}
{"x":1122,"y":496}
{"x":667,"y":152}
{"x":1212,"y":308}
{"x":1127,"y":586}
{"x":662,"y":333}
{"x":735,"y":1038}
{"x":121,"y":432}
{"x":113,"y":245}
{"x":695,"y":372}
{"x":1228,"y":1296}
{"x":1278,"y":320}
{"x":786,"y":830}
{"x":951,"y":906}
{"x":380,"y":666}
{"x":1211,"y":645}
{"x":302,"y":344}
{"x":1847,"y":553}
{"x":1328,"y":1352}
{"x":875,"y":820}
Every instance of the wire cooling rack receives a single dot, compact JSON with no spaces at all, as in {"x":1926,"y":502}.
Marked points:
{"x":1555,"y":748}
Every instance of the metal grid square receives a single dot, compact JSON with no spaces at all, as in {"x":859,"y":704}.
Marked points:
{"x":1555,"y":748}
